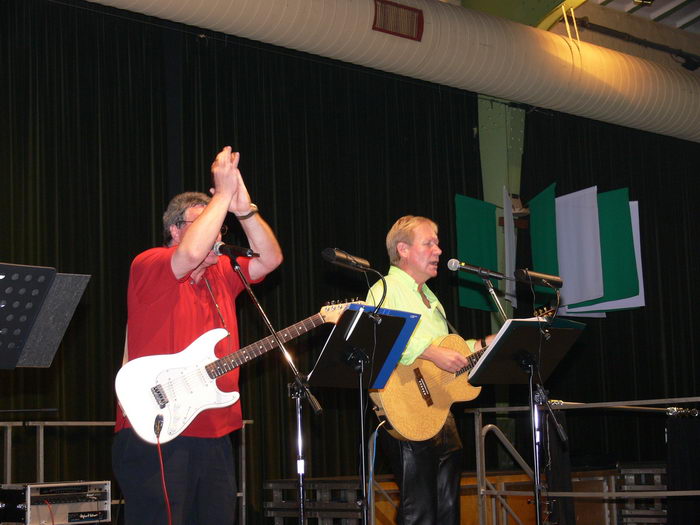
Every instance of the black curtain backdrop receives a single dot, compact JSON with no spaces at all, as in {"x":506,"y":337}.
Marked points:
{"x":107,"y":114}
{"x":104,"y":115}
{"x":647,"y":353}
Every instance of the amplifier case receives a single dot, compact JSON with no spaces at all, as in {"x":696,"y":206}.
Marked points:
{"x":56,"y":503}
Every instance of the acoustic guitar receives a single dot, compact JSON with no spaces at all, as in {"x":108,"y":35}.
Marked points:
{"x":417,"y":398}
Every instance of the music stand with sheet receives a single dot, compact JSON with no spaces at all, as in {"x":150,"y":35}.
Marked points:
{"x":36,"y":305}
{"x":516,"y":343}
{"x":523,"y":350}
{"x":345,"y":357}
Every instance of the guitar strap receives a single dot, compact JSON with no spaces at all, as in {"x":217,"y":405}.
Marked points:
{"x":125,"y":358}
{"x":453,"y":330}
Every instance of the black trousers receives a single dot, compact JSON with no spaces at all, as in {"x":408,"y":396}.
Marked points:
{"x":199,"y":475}
{"x":428,"y":475}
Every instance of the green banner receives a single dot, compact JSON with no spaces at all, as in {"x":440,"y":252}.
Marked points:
{"x":476,"y":245}
{"x":543,"y":234}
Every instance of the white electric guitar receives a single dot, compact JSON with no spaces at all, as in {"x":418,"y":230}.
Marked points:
{"x":162,"y":394}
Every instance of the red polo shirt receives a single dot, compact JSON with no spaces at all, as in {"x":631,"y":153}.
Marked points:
{"x":166,"y":315}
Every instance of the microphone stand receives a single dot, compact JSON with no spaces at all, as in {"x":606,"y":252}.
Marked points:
{"x":358,"y":360}
{"x":529,"y":365}
{"x":298,"y":389}
{"x":537,"y":397}
{"x":537,"y":394}
{"x":494,"y":297}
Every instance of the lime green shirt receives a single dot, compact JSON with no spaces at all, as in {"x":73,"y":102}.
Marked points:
{"x":402,"y":294}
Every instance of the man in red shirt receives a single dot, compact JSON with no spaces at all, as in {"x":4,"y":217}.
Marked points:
{"x":176,"y":293}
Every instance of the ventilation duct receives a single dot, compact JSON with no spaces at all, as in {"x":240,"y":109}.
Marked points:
{"x":465,"y":49}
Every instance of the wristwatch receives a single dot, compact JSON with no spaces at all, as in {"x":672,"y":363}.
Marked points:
{"x":253,"y":211}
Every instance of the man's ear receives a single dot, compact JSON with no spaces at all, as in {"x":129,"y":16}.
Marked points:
{"x":402,"y":249}
{"x":175,"y":233}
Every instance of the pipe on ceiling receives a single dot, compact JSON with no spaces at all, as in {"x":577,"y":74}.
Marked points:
{"x":465,"y":49}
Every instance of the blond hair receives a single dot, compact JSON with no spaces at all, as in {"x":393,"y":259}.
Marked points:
{"x":403,"y":231}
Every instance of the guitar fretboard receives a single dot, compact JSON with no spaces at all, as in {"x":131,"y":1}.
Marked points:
{"x":473,"y":358}
{"x":226,"y":364}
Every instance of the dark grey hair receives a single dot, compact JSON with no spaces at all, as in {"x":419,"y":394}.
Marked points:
{"x":175,"y":212}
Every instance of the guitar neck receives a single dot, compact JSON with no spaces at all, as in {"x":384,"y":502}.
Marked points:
{"x":473,"y":358}
{"x":248,"y":353}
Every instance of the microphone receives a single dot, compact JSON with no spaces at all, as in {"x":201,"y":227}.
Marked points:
{"x":344,"y":259}
{"x":543,"y":279}
{"x":232,"y":250}
{"x":454,"y":265}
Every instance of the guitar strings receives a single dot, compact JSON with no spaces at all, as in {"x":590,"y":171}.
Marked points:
{"x":188,"y":382}
{"x":445,"y":380}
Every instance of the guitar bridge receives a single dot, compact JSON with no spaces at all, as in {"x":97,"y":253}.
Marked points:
{"x":423,"y":387}
{"x":159,"y":394}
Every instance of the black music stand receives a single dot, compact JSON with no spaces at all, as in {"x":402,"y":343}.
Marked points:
{"x":518,"y":341}
{"x":36,"y":305}
{"x":363,"y":340}
{"x":523,"y":351}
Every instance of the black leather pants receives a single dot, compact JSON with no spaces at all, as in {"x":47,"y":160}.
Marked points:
{"x":428,"y":474}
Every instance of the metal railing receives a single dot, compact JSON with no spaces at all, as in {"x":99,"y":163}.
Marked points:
{"x":486,"y":489}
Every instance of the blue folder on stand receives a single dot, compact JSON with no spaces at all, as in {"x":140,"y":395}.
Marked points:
{"x":382,"y":336}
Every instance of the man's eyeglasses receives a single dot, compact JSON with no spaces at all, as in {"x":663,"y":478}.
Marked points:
{"x":180,"y":224}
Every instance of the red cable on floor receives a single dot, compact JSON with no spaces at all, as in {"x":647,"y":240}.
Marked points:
{"x":165,"y":489}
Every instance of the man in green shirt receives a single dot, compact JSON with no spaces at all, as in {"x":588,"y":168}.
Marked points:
{"x":427,"y":472}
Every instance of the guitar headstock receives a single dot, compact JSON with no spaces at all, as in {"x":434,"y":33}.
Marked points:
{"x":332,"y":311}
{"x":545,"y":311}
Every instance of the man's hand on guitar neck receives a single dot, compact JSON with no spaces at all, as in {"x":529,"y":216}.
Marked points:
{"x":444,"y":358}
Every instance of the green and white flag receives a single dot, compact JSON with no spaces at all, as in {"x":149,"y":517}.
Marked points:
{"x":596,"y":252}
{"x":625,"y":272}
